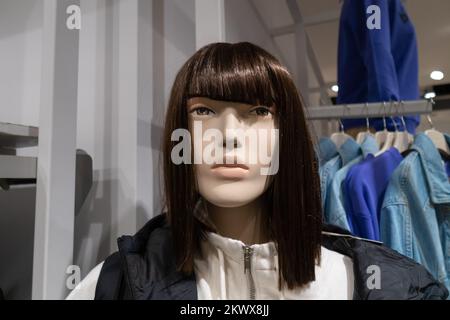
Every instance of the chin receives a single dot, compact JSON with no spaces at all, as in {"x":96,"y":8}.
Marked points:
{"x":231,"y":196}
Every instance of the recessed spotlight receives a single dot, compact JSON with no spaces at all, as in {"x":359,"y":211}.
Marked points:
{"x":437,"y":75}
{"x":429,"y":95}
{"x":335,"y":88}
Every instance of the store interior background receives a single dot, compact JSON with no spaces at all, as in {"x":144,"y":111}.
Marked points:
{"x":129,"y":53}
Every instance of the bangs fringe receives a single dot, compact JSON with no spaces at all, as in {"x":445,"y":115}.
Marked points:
{"x":233,"y":72}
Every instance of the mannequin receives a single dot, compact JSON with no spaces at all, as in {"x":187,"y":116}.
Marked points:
{"x":243,"y":216}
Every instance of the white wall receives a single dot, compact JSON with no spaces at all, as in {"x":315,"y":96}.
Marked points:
{"x":130,"y":52}
{"x":20,"y":63}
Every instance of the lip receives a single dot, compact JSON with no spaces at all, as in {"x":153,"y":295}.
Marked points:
{"x":233,"y":165}
{"x":230,"y":171}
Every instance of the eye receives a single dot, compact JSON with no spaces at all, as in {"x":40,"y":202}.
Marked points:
{"x":261,"y":111}
{"x":202,"y":111}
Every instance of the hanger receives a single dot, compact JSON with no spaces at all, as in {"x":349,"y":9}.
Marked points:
{"x":384,"y":138}
{"x":361,"y":136}
{"x":390,"y":142}
{"x":339,"y":138}
{"x":403,"y":139}
{"x":436,"y":136}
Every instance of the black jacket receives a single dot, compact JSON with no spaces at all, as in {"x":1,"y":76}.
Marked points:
{"x":144,"y":268}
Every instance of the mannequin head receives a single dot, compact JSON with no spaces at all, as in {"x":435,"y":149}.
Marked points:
{"x":241,"y":86}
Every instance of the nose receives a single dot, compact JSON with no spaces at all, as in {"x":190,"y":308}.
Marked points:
{"x":231,"y":122}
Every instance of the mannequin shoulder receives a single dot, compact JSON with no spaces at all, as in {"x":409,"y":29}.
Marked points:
{"x":85,"y":290}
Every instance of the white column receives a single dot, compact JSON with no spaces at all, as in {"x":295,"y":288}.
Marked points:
{"x":209,"y":22}
{"x":148,"y":136}
{"x":54,"y":224}
{"x":300,"y":67}
{"x":124,"y":117}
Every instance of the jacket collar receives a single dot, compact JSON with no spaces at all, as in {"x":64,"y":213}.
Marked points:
{"x":369,"y":146}
{"x":327,"y":149}
{"x":435,"y":173}
{"x":349,"y":151}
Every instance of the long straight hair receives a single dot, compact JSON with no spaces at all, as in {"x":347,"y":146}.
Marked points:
{"x":244,"y":72}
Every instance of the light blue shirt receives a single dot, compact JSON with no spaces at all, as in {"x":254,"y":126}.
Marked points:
{"x":346,"y":153}
{"x":415,"y":215}
{"x":334,"y":207}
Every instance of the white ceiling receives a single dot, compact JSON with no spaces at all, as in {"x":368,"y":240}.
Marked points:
{"x":431,"y":19}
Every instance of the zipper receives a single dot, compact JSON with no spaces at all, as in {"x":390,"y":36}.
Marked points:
{"x":248,"y":252}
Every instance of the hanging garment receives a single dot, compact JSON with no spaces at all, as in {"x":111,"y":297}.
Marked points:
{"x":376,"y":65}
{"x":364,"y":189}
{"x":327,"y":150}
{"x":348,"y":151}
{"x":334,"y":208}
{"x":415,"y":215}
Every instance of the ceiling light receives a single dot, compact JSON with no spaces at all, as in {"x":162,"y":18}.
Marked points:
{"x":437,"y":75}
{"x":335,"y":88}
{"x":429,"y":95}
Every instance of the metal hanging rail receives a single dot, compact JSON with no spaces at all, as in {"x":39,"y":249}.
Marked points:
{"x":370,"y":110}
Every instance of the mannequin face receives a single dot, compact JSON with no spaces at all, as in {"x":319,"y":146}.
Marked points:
{"x":233,"y":174}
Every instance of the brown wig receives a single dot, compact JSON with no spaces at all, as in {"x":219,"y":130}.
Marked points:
{"x":245,"y":73}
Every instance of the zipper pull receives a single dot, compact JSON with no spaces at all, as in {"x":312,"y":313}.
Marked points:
{"x":247,"y":256}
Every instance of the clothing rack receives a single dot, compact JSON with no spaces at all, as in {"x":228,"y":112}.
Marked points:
{"x":370,"y":110}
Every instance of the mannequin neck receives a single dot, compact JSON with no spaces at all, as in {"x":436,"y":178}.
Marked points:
{"x":246,"y":223}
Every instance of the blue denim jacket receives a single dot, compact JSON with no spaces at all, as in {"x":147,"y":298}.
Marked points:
{"x":334,"y":207}
{"x":415,"y":215}
{"x":347,"y":152}
{"x":327,"y":150}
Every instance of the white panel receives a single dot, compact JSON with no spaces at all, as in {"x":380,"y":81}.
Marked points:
{"x":179,"y":38}
{"x":124,"y":116}
{"x":54,"y":224}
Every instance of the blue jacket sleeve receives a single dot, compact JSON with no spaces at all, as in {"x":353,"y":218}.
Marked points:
{"x":375,"y":47}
